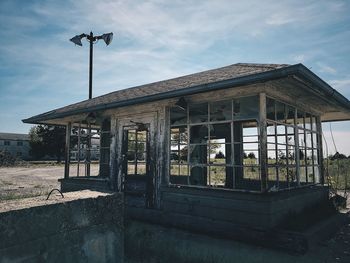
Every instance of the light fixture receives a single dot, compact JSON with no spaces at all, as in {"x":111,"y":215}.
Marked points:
{"x":181,"y":103}
{"x":77,"y":39}
{"x":91,"y":117}
{"x":107,"y":38}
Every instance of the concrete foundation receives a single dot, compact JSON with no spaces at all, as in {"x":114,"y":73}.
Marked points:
{"x":84,"y":226}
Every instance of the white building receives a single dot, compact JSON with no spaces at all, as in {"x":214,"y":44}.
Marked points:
{"x":16,"y":144}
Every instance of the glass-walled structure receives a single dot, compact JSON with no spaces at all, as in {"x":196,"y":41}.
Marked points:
{"x":218,"y":145}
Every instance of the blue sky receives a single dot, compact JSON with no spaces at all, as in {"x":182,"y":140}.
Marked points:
{"x":41,"y":69}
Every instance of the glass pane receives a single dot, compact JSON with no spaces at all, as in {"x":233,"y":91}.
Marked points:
{"x":199,"y":154}
{"x":301,"y":138}
{"x":220,"y":153}
{"x":271,"y":129}
{"x":300,"y":119}
{"x":302,"y":156}
{"x":199,"y":134}
{"x":141,"y":168}
{"x":199,"y":113}
{"x":282,"y":175}
{"x":291,"y":156}
{"x":131,"y":135}
{"x":221,"y":131}
{"x":130,"y":155}
{"x":290,"y":134}
{"x":271,"y":139}
{"x":270,"y":109}
{"x":132,"y":145}
{"x":174,"y":170}
{"x":314,"y":123}
{"x":292,"y":176}
{"x":141,"y":147}
{"x":310,"y":174}
{"x":221,"y":110}
{"x":178,"y":116}
{"x":217,"y":175}
{"x":246,"y":108}
{"x":251,"y":158}
{"x":309,"y":157}
{"x":198,"y":175}
{"x":308,"y":121}
{"x":308,"y":139}
{"x":317,"y":174}
{"x":314,"y":139}
{"x":251,"y":173}
{"x":131,"y":169}
{"x":315,"y":157}
{"x":141,"y":156}
{"x":244,"y":129}
{"x":174,"y":156}
{"x":141,"y":136}
{"x":271,"y":157}
{"x":179,"y":135}
{"x":281,"y":129}
{"x":272,"y":176}
{"x":282,"y":157}
{"x":281,"y":139}
{"x":290,"y":115}
{"x":280,"y":112}
{"x":302,"y":174}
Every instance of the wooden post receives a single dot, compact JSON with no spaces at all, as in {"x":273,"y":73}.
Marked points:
{"x":78,"y":164}
{"x":297,"y":151}
{"x":67,"y":151}
{"x":113,"y":172}
{"x":320,"y":149}
{"x":263,"y":142}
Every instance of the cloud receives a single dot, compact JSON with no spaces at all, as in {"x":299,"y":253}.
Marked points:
{"x":300,"y":58}
{"x":342,"y":85}
{"x":153,"y":40}
{"x":326,"y":68}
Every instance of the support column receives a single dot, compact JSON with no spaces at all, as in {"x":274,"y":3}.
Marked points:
{"x":263,"y":142}
{"x":320,"y":149}
{"x":113,"y":161}
{"x":67,"y":151}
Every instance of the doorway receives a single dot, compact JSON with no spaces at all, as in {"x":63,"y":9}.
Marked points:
{"x":136,"y":168}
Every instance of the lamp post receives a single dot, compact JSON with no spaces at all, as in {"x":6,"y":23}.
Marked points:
{"x":107,"y":38}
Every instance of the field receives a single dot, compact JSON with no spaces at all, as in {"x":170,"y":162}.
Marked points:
{"x":33,"y":179}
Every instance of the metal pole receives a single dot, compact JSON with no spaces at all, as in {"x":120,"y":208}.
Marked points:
{"x":88,"y":154}
{"x":91,"y":40}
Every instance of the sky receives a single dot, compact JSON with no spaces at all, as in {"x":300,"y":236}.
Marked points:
{"x":41,"y":69}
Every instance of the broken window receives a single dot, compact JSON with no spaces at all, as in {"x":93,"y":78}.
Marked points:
{"x":292,"y":146}
{"x":137,"y":152}
{"x":202,"y":148}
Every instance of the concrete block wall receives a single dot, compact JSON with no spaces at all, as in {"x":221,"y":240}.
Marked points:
{"x":82,"y":229}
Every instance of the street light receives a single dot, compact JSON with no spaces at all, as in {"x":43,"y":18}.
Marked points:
{"x":107,"y":38}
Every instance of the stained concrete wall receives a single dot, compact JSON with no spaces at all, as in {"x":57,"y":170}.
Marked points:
{"x":85,"y":226}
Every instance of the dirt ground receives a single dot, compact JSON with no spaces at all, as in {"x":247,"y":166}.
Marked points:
{"x":39,"y":179}
{"x":34,"y":179}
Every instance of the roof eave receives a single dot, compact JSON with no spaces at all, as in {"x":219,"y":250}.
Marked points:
{"x":298,"y":69}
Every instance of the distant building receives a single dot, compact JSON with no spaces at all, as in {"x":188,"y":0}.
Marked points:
{"x":16,"y":144}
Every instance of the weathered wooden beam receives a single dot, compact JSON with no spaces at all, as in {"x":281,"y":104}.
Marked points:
{"x":113,"y":173}
{"x":67,"y":150}
{"x":263,"y":142}
{"x":320,"y":149}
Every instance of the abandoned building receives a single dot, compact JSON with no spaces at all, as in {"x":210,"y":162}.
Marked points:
{"x":16,"y":144}
{"x":238,"y":145}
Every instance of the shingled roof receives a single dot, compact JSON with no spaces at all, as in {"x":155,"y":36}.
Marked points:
{"x":233,"y":75}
